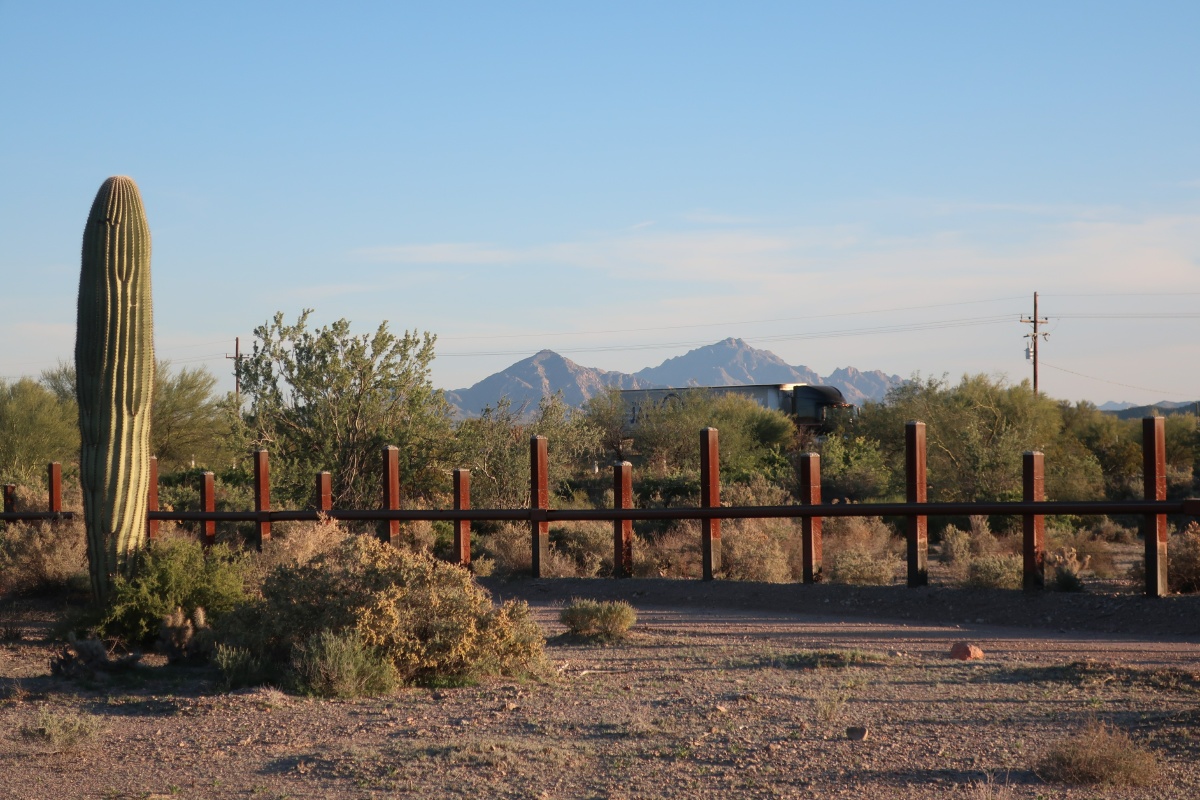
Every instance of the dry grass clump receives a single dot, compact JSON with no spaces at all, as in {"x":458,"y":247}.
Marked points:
{"x":42,"y":557}
{"x":979,"y":559}
{"x":510,"y":549}
{"x":674,"y":553}
{"x":1183,"y":558}
{"x":605,"y":620}
{"x":760,"y":550}
{"x":859,"y":550}
{"x":587,"y":543}
{"x":428,"y":618}
{"x":1183,"y":561}
{"x":298,"y":542}
{"x":1099,"y":755}
{"x":61,"y":730}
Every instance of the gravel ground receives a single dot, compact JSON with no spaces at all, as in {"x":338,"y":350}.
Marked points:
{"x":721,"y":690}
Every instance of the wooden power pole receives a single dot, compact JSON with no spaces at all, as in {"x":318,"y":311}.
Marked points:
{"x":1031,"y":351}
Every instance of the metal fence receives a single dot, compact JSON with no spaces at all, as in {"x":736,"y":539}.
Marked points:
{"x":810,"y":510}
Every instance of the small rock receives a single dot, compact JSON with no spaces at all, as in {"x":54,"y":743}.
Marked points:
{"x":965,"y":651}
{"x":856,"y":733}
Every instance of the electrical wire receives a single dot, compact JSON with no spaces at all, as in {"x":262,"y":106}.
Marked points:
{"x":728,"y":324}
{"x":1044,"y":363}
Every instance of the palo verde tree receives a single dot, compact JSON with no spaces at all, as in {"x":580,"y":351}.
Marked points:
{"x":190,"y":426}
{"x":114,"y":367}
{"x":36,"y":427}
{"x":495,"y":447}
{"x":328,"y":399}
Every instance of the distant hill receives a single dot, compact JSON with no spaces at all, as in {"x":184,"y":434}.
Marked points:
{"x":526,"y":382}
{"x":730,"y":362}
{"x":1164,"y":409}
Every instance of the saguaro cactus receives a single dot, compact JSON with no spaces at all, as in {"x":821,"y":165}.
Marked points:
{"x":114,"y":367}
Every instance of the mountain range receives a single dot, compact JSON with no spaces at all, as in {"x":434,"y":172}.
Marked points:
{"x":730,"y":362}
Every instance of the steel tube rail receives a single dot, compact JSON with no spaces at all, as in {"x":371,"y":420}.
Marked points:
{"x":1189,"y":507}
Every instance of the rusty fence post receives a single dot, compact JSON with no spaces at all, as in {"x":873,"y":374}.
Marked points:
{"x":539,"y":502}
{"x":1154,"y":526}
{"x":390,"y":531}
{"x":54,"y":475}
{"x":10,"y":498}
{"x":916,"y":491}
{"x":622,"y":528}
{"x":152,"y":525}
{"x":710,"y":497}
{"x":208,"y":504}
{"x":462,"y":527}
{"x":810,"y":527}
{"x":1033,"y":490}
{"x":324,"y":491}
{"x":262,"y":496}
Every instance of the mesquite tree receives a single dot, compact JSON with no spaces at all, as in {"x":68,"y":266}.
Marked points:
{"x":114,"y":364}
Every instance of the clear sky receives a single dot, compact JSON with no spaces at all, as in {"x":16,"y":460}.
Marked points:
{"x":883,"y":185}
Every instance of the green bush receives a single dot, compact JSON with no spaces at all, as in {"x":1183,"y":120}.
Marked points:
{"x":996,"y":571}
{"x":342,"y":665}
{"x":171,"y":574}
{"x":597,"y":619}
{"x":428,"y":618}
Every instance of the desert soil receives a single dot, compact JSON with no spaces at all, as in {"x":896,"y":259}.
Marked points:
{"x":717,"y":692}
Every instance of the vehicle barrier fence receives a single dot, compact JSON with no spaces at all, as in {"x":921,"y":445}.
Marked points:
{"x":810,"y":510}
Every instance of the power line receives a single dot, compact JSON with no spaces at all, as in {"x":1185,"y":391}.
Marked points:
{"x":835,"y":334}
{"x":728,"y":323}
{"x":1114,"y":383}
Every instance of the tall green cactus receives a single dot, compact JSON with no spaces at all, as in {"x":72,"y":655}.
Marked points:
{"x":114,"y":367}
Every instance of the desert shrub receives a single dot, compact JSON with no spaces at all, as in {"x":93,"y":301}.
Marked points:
{"x":240,"y":667}
{"x":61,"y":730}
{"x":173,"y":573}
{"x":341,"y":665}
{"x":298,"y":542}
{"x":427,"y":617}
{"x":956,"y":548}
{"x":857,"y":567}
{"x":674,"y":553}
{"x":510,"y":547}
{"x":858,"y":550}
{"x":42,"y":557}
{"x":757,"y":491}
{"x":758,"y":549}
{"x":979,"y":558}
{"x":1183,"y":559}
{"x":597,"y":619}
{"x":1106,"y":530}
{"x":1068,"y":569}
{"x":1093,"y":552}
{"x":588,"y":544}
{"x":998,"y":571}
{"x":1098,"y":755}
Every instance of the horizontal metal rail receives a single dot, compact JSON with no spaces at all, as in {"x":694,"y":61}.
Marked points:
{"x":1190,"y":507}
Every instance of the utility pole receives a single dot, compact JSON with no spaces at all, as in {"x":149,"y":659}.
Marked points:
{"x":237,"y":365}
{"x":1031,"y":350}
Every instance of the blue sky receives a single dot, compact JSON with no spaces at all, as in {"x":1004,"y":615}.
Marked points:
{"x":882,"y":185}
